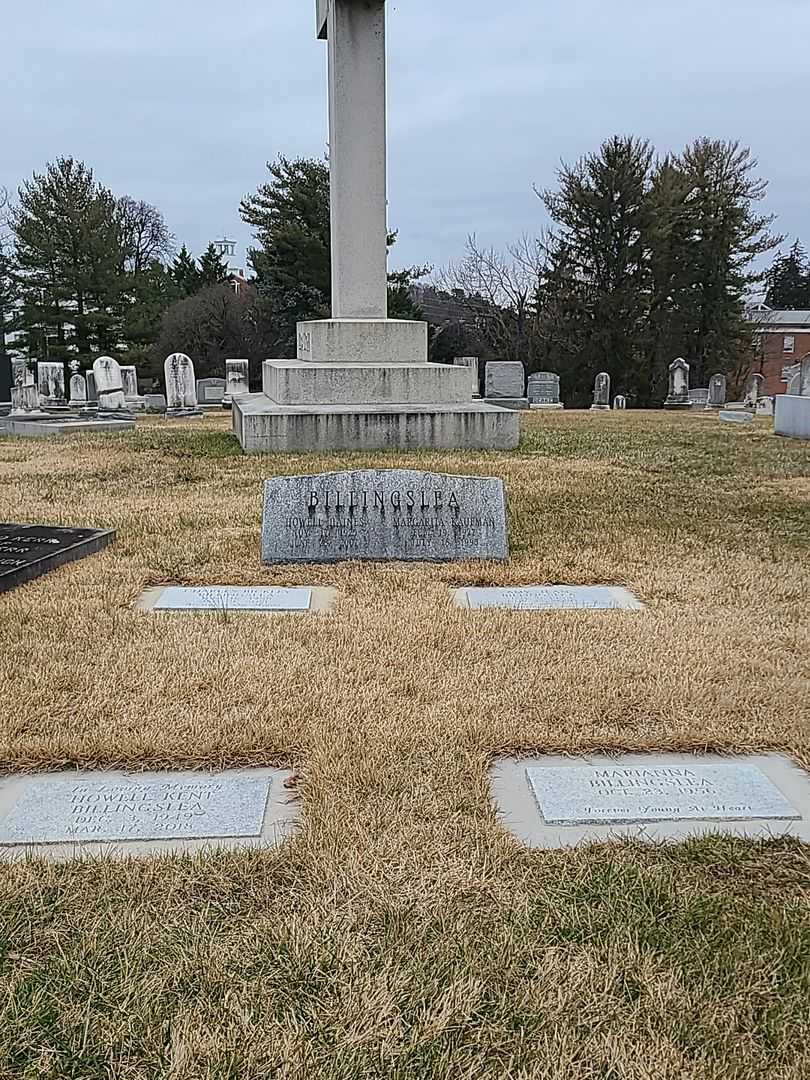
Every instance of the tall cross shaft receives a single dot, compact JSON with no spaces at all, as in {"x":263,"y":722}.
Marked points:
{"x":355,"y":30}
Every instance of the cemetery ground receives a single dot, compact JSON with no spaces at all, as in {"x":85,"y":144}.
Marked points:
{"x":403,"y":932}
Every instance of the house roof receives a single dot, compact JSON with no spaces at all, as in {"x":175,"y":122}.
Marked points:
{"x":786,"y":318}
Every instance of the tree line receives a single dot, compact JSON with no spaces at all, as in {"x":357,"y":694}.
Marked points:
{"x":647,"y":258}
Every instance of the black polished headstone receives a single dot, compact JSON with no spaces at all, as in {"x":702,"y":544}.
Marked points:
{"x":6,"y":381}
{"x":28,"y":551}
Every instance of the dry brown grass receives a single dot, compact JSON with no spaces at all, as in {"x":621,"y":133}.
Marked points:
{"x":402,"y":933}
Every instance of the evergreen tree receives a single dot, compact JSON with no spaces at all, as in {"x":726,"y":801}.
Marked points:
{"x":184,"y":273}
{"x":597,"y":264}
{"x":213,"y":268}
{"x":789,"y":281}
{"x":68,"y":254}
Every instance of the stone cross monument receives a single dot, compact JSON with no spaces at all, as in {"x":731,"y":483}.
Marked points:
{"x":361,"y":380}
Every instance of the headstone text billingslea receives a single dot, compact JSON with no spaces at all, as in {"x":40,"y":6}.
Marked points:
{"x":28,"y":551}
{"x":383,"y":514}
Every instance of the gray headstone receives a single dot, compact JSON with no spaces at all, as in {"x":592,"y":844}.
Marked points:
{"x":549,"y":598}
{"x":505,"y":379}
{"x":678,"y":395}
{"x":736,"y":416}
{"x":620,"y":402}
{"x":753,"y":389}
{"x":601,"y":391}
{"x":92,"y":393}
{"x":383,"y":514}
{"x":129,"y":381}
{"x":109,"y":385}
{"x":51,"y":382}
{"x":66,"y":811}
{"x":154,"y":403}
{"x":717,"y":392}
{"x":233,"y":598}
{"x":699,"y":396}
{"x":181,"y":388}
{"x":591,"y":795}
{"x":543,"y":388}
{"x":78,"y":391}
{"x":210,"y":391}
{"x":237,"y":379}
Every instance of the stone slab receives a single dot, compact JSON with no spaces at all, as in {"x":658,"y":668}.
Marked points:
{"x":549,"y":598}
{"x":44,"y":429}
{"x":737,"y":416}
{"x":262,"y":426}
{"x":66,"y":815}
{"x":383,"y":515}
{"x":555,"y":801}
{"x":29,"y":551}
{"x":231,"y":598}
{"x":517,"y":404}
{"x":792,"y":416}
{"x":504,"y":379}
{"x":296,"y":382}
{"x":363,"y":341}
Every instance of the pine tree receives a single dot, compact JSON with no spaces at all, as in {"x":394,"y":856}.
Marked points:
{"x":185,"y":273}
{"x":213,"y":268}
{"x":68,"y":254}
{"x":789,"y":281}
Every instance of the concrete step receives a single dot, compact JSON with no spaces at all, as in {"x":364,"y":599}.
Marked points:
{"x":262,"y":426}
{"x":297,"y":382}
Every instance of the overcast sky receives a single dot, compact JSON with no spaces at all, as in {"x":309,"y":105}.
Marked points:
{"x":181,"y":103}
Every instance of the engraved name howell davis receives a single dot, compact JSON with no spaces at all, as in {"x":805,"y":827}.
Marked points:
{"x":383,"y":514}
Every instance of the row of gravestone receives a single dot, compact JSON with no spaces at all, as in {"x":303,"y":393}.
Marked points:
{"x":38,"y":388}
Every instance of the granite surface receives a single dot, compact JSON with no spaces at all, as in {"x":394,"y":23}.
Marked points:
{"x":592,"y":795}
{"x":28,"y":551}
{"x":233,"y":598}
{"x":66,"y":811}
{"x":383,"y":514}
{"x":548,"y":598}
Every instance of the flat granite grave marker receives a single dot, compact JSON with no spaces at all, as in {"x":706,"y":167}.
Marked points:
{"x":383,"y":514}
{"x":28,"y":551}
{"x":555,"y":801}
{"x":230,"y":598}
{"x":64,"y":815}
{"x":549,"y":598}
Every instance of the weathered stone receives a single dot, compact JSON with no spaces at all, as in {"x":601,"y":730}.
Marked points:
{"x":792,"y":416}
{"x":383,"y":514}
{"x":25,"y":401}
{"x":753,"y":390}
{"x":92,"y":393}
{"x":620,"y":402}
{"x":678,"y":396}
{"x":717,"y":392}
{"x":29,"y":551}
{"x":232,"y":598}
{"x":473,"y":364}
{"x":78,"y":391}
{"x":804,"y":377}
{"x":48,"y":426}
{"x":109,"y":385}
{"x":58,"y":811}
{"x":699,"y":397}
{"x":181,"y":388}
{"x":601,"y":392}
{"x":592,"y":795}
{"x":154,"y":403}
{"x":129,"y":381}
{"x":549,"y":598}
{"x":51,"y":383}
{"x":505,"y":379}
{"x":543,"y":390}
{"x":237,"y":380}
{"x":210,"y":391}
{"x":738,"y":416}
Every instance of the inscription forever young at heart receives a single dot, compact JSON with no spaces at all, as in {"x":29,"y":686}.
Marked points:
{"x":592,"y":795}
{"x":61,"y":811}
{"x":395,"y":514}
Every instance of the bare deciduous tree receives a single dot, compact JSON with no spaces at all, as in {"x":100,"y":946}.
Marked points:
{"x":144,"y":233}
{"x":499,"y":289}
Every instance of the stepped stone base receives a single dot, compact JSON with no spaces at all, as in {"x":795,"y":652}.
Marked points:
{"x":295,"y":382}
{"x":262,"y":426}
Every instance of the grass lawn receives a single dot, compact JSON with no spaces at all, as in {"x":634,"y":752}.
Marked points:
{"x":403,"y":933}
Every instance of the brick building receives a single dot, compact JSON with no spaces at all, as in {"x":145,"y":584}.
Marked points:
{"x":782,"y":340}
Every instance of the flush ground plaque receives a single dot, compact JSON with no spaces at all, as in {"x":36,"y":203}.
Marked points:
{"x":68,"y":811}
{"x":549,"y":598}
{"x":233,"y":598}
{"x":28,"y":551}
{"x":593,"y":795}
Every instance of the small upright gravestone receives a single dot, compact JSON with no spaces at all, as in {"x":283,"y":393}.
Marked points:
{"x":506,"y":384}
{"x":471,"y":362}
{"x":601,"y":392}
{"x":211,"y":391}
{"x":620,"y":402}
{"x":383,"y":515}
{"x":543,"y":390}
{"x":237,"y":381}
{"x":109,"y":387}
{"x":51,"y":384}
{"x":699,"y":397}
{"x":678,"y":397}
{"x":753,"y":390}
{"x":181,"y":388}
{"x":129,"y":381}
{"x":717,"y":392}
{"x":78,"y":391}
{"x":24,"y":392}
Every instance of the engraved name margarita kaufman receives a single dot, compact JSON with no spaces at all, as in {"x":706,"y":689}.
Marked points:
{"x":378,"y":500}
